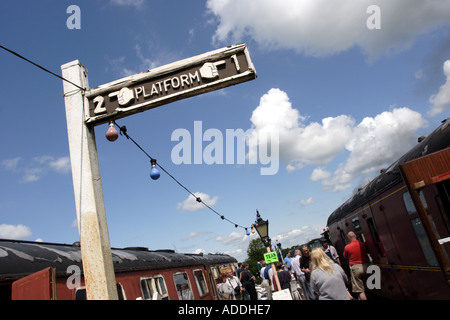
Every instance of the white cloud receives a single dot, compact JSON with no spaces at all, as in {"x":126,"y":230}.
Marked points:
{"x":319,"y":174}
{"x":19,"y":231}
{"x":387,"y":136}
{"x":320,"y":27}
{"x":31,"y":175}
{"x":145,"y":63}
{"x":11,"y":164}
{"x":33,"y":170}
{"x":147,"y":55}
{"x":300,"y":144}
{"x":61,"y":165}
{"x":127,"y":3}
{"x":239,"y":254}
{"x":419,"y":74}
{"x":191,"y":204}
{"x":239,"y":241}
{"x":441,"y":100}
{"x":190,"y":236}
{"x":297,"y":236}
{"x":305,"y":202}
{"x":370,"y":145}
{"x":376,"y":143}
{"x":236,"y":239}
{"x":198,"y":251}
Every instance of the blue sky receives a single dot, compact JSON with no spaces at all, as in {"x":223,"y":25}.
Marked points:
{"x":346,"y":100}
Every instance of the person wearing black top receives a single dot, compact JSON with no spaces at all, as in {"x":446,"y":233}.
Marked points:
{"x":248,"y":281}
{"x":283,"y":276}
{"x":305,"y":267}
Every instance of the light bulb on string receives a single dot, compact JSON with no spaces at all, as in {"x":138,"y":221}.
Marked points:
{"x":154,"y":172}
{"x":111,"y":133}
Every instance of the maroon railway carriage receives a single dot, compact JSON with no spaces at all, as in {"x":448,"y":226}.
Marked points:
{"x":36,"y":270}
{"x":410,"y":243}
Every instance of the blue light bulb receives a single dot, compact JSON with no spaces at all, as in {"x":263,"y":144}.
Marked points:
{"x":247,"y":232}
{"x":154,"y":173}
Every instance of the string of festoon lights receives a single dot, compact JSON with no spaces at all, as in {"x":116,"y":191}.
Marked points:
{"x":112,"y":135}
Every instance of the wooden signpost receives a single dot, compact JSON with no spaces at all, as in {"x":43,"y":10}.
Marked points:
{"x":182,"y":79}
{"x":90,"y":107}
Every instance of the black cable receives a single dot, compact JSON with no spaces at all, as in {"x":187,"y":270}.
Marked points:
{"x":123,"y":130}
{"x":41,"y":67}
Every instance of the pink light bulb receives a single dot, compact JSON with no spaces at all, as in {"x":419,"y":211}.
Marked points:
{"x":111,"y":133}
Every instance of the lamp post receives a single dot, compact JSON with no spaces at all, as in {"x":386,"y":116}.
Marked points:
{"x":262,"y":227}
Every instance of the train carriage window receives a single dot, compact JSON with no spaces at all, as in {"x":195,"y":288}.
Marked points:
{"x":161,"y":287}
{"x":146,"y":289}
{"x":424,"y":242}
{"x":154,"y":284}
{"x":409,"y":204}
{"x":120,"y":292}
{"x":356,"y":224}
{"x":183,"y":287}
{"x":375,"y":237}
{"x":80,"y":294}
{"x":418,"y":228}
{"x":201,"y":282}
{"x":214,"y":272}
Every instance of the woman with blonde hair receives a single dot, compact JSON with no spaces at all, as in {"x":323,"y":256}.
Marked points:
{"x":327,"y":278}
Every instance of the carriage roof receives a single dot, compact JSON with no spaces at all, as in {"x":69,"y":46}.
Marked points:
{"x":21,"y":258}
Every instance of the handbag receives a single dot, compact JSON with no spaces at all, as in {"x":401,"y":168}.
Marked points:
{"x":225,"y":296}
{"x":237,"y":290}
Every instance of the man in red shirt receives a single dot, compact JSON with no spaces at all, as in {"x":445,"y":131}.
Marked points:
{"x":355,"y":252}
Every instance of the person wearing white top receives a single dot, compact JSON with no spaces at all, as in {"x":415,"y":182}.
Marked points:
{"x":299,"y":274}
{"x":235,"y":284}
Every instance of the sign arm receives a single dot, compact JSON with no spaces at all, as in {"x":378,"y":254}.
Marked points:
{"x":179,"y":80}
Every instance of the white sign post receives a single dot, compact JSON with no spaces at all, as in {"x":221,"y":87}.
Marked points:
{"x":86,"y":108}
{"x":96,"y":255}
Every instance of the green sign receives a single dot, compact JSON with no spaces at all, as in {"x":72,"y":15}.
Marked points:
{"x":271,"y":257}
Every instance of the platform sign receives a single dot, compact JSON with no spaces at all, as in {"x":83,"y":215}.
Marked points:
{"x":179,"y":80}
{"x":86,"y":108}
{"x":270,"y":257}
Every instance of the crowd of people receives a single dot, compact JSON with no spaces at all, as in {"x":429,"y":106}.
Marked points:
{"x":318,"y":274}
